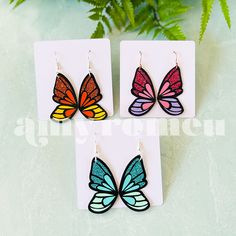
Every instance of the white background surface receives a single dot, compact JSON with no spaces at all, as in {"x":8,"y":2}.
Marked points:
{"x":157,"y":59}
{"x":117,"y":144}
{"x":73,"y":58}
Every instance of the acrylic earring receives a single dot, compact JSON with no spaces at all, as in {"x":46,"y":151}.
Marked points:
{"x":65,"y":96}
{"x":103,"y":182}
{"x":143,"y":89}
{"x":170,"y":89}
{"x":132,"y":181}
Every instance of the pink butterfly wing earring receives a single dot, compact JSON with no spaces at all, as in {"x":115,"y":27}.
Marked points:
{"x":143,"y":89}
{"x":170,"y":89}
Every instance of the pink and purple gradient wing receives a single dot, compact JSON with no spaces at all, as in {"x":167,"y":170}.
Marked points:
{"x":170,"y":89}
{"x":143,"y":89}
{"x":171,"y":106}
{"x":141,"y":106}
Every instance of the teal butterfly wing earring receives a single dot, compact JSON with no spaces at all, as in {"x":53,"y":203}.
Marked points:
{"x":132,"y":181}
{"x":102,"y":181}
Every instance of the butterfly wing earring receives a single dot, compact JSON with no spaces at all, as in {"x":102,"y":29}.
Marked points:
{"x":170,"y":89}
{"x":102,"y":181}
{"x":89,"y":96}
{"x":63,"y":94}
{"x":143,"y":89}
{"x":132,"y":181}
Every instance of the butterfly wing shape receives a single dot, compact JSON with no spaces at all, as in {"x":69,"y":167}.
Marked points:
{"x":134,"y":179}
{"x":89,"y":96}
{"x":143,"y":89}
{"x":102,"y":181}
{"x":170,"y":89}
{"x":64,"y":94}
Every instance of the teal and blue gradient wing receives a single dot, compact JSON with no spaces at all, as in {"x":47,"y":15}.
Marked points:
{"x":102,"y":181}
{"x":134,"y":179}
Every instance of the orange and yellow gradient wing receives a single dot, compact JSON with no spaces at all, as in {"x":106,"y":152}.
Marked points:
{"x":64,"y":94}
{"x":89,"y":96}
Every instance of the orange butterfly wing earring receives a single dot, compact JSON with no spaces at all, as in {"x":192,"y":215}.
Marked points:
{"x":89,"y":95}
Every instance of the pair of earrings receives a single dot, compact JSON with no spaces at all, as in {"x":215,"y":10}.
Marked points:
{"x":103,"y":182}
{"x":87,"y":103}
{"x":142,"y":88}
{"x":170,"y":89}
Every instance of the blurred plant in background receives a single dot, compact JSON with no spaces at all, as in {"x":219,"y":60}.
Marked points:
{"x":156,"y":17}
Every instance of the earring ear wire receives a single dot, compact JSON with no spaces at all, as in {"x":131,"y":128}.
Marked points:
{"x":89,"y":64}
{"x":139,"y":146}
{"x":140,"y":60}
{"x":176,"y":58}
{"x":58,"y":66}
{"x":96,"y":153}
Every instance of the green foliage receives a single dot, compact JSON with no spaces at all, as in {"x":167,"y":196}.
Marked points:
{"x":207,"y":6}
{"x":99,"y":32}
{"x":206,"y":12}
{"x":155,"y":17}
{"x":16,"y":3}
{"x":129,"y":10}
{"x":225,"y":11}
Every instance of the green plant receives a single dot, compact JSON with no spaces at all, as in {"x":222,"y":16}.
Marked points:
{"x":16,"y":3}
{"x":206,"y":13}
{"x":146,"y":16}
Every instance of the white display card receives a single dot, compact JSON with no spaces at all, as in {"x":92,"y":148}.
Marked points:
{"x":73,"y":57}
{"x":158,"y":58}
{"x":117,"y":142}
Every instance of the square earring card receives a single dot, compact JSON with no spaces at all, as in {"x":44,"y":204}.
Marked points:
{"x":118,"y":165}
{"x":74,"y":79}
{"x":157,"y":79}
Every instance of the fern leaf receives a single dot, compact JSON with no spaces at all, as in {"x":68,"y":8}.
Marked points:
{"x":167,"y":10}
{"x":225,"y":10}
{"x":16,"y":2}
{"x":206,"y":13}
{"x":151,"y":3}
{"x":137,"y":3}
{"x":99,"y":31}
{"x":141,"y":16}
{"x":115,"y":18}
{"x":129,"y":9}
{"x":94,"y":16}
{"x":147,"y":26}
{"x":174,"y":33}
{"x":157,"y":31}
{"x":173,"y":22}
{"x":96,"y":10}
{"x":97,"y":3}
{"x":119,"y":11}
{"x":107,"y":23}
